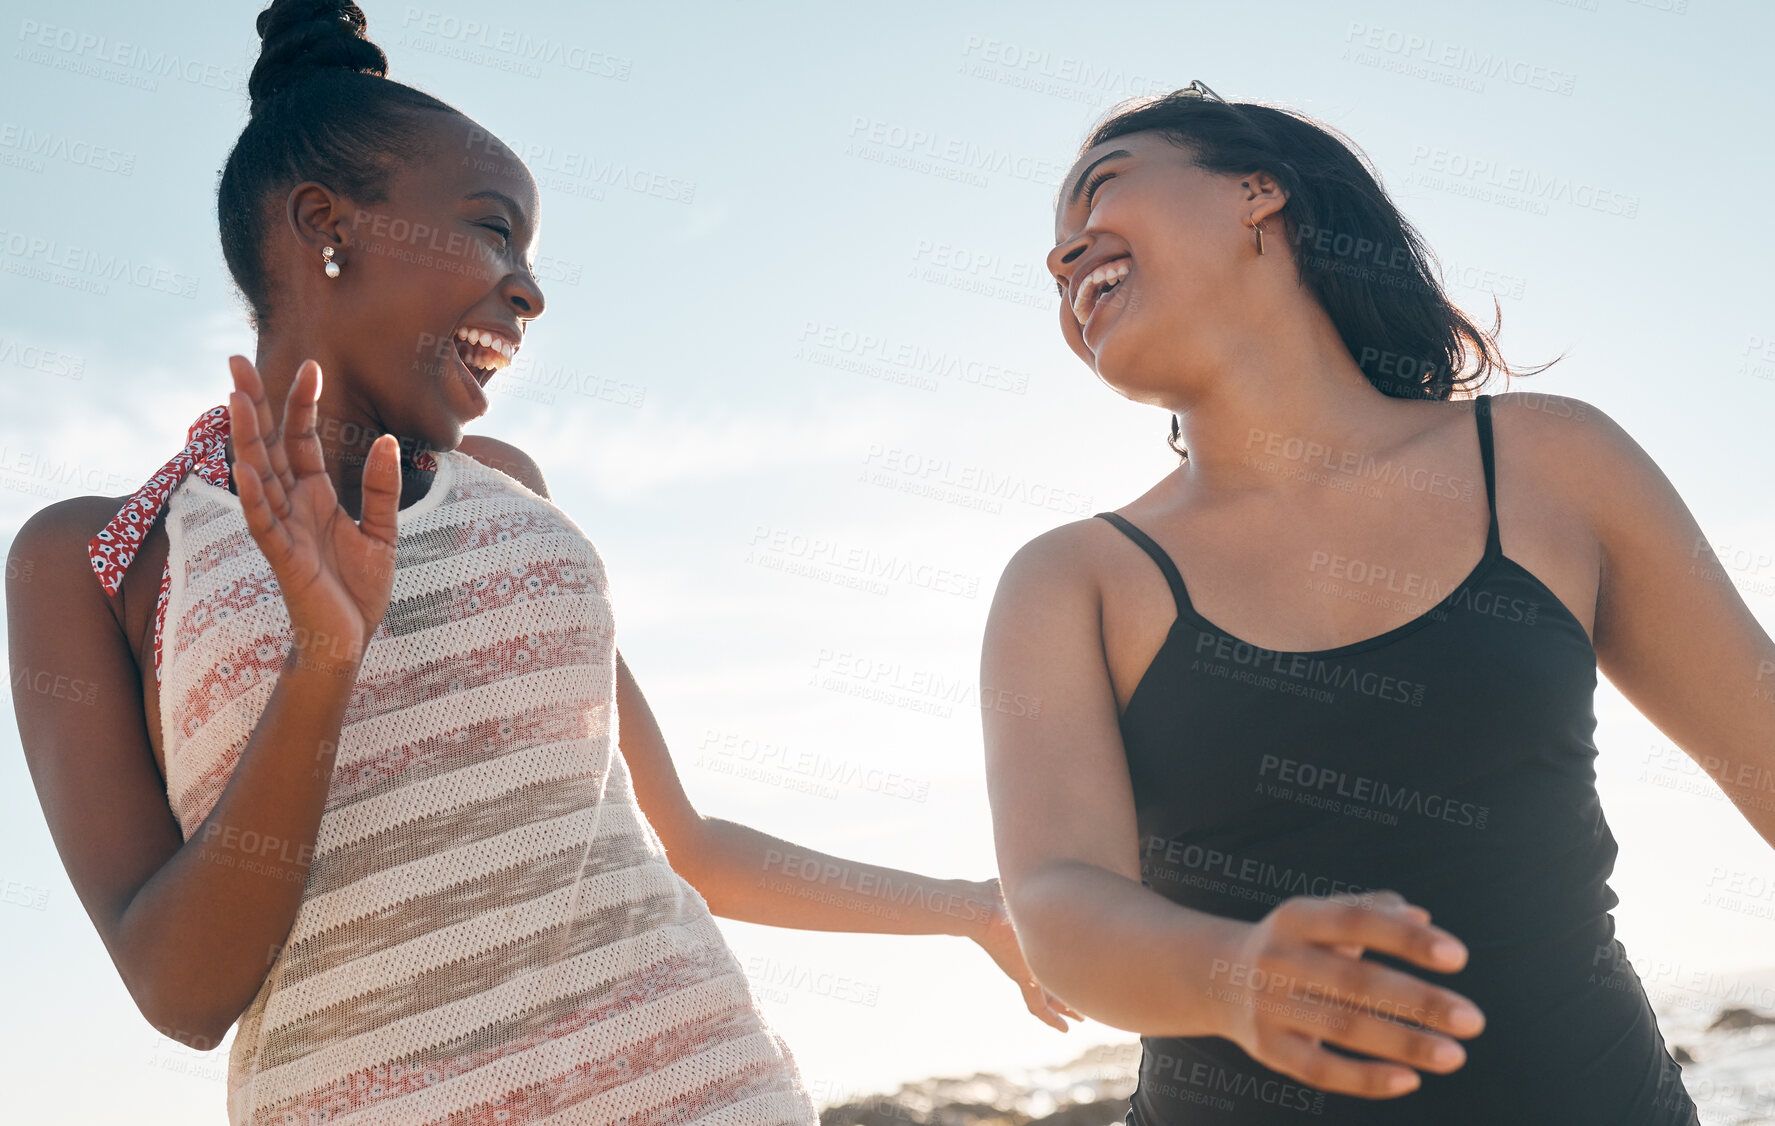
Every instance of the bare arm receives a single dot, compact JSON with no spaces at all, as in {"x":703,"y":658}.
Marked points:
{"x":192,"y":926}
{"x":745,"y":874}
{"x":1064,"y":821}
{"x":1672,"y":631}
{"x":1063,"y":817}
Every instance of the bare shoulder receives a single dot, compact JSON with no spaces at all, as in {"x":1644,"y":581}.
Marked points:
{"x":52,"y":542}
{"x":1574,"y":447}
{"x":506,"y":458}
{"x":51,"y":591}
{"x":1062,"y":560}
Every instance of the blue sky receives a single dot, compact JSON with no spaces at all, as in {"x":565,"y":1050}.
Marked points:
{"x":793,"y":257}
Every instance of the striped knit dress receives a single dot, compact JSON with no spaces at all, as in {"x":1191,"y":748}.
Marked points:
{"x":490,"y":932}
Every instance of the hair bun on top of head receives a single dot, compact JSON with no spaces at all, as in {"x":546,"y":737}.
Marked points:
{"x":300,"y":39}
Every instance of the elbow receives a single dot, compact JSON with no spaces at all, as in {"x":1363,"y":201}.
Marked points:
{"x":182,"y":1014}
{"x":196,"y":1029}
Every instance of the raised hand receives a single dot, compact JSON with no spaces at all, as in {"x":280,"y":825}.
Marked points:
{"x":336,"y":573}
{"x":1295,"y":980}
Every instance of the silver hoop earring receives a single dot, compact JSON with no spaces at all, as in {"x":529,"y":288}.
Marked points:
{"x":331,"y":267}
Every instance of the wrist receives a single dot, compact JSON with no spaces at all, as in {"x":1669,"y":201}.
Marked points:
{"x":1214,"y":946}
{"x":976,"y":906}
{"x":324,"y":649}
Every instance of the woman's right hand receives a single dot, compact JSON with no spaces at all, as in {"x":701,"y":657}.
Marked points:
{"x":1295,"y":980}
{"x":336,"y":573}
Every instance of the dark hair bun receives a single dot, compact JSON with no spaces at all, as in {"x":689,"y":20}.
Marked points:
{"x":302,"y":38}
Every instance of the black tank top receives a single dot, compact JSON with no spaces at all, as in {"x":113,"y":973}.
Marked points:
{"x":1449,"y":759}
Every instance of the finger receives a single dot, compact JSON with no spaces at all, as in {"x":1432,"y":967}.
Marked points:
{"x":268,"y":430}
{"x":270,"y":533}
{"x":1394,"y":1042}
{"x":381,"y":490}
{"x":1355,"y":986}
{"x":301,"y":442}
{"x":249,"y":451}
{"x":1391,"y":929}
{"x":1299,"y":1055}
{"x":1037,"y":999}
{"x":1060,"y":1006}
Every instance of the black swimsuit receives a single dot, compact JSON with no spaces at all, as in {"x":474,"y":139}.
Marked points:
{"x":1450,"y":760}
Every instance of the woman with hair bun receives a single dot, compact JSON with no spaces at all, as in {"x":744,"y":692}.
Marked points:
{"x":1333,"y":676}
{"x":358,"y":765}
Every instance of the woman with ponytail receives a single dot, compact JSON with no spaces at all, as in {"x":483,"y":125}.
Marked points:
{"x":1332,"y":677}
{"x":357,"y":765}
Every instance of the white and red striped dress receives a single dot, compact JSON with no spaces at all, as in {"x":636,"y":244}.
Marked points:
{"x":490,"y":932}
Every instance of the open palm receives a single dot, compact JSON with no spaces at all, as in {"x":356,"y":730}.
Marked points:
{"x":336,"y":573}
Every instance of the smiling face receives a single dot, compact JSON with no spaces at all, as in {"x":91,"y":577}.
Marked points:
{"x":440,"y":287}
{"x":1152,"y":261}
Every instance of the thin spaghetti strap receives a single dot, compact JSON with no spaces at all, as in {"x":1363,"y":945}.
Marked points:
{"x":1482,"y":408}
{"x":1158,"y":556}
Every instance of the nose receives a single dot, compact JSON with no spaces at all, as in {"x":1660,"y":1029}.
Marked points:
{"x":1066,"y":254}
{"x":525,"y":295}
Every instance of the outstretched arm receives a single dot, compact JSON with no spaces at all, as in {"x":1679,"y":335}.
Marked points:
{"x":754,"y":877}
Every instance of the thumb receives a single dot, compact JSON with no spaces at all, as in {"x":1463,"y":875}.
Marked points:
{"x":381,"y":489}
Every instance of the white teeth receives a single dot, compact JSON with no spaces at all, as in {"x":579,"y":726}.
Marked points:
{"x":1091,"y":288}
{"x":502,"y":349}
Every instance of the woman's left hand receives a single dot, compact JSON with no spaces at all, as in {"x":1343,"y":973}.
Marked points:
{"x":999,"y":941}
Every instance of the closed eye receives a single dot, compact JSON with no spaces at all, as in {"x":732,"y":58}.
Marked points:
{"x":500,"y":229}
{"x":1094,"y":183}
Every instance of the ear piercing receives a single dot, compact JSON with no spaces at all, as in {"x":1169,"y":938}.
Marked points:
{"x":332,"y":267}
{"x":1258,"y":227}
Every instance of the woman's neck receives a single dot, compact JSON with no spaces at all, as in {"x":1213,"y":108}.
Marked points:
{"x":346,"y":424}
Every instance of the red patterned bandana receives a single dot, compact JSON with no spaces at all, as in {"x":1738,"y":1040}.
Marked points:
{"x":205,"y":454}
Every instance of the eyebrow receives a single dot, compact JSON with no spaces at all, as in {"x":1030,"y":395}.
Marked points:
{"x":501,"y":197}
{"x":1078,"y":185}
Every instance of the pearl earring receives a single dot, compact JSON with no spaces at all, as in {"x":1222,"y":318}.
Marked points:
{"x":331,"y":267}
